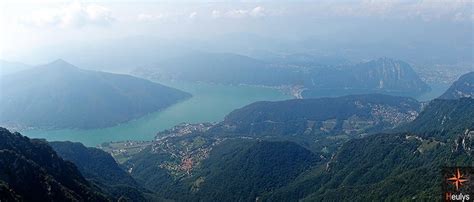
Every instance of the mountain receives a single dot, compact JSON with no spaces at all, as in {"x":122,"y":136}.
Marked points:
{"x":243,"y":170}
{"x":379,"y":167}
{"x":319,"y":124}
{"x":354,"y":114}
{"x":101,"y":169}
{"x":61,"y":95}
{"x":398,"y":166}
{"x":441,"y":117}
{"x":463,"y":87}
{"x":30,"y":170}
{"x":316,"y":79}
{"x":93,"y":163}
{"x":383,"y":75}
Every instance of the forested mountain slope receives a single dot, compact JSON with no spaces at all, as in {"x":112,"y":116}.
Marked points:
{"x":31,"y":171}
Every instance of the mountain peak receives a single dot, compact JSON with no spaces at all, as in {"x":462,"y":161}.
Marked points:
{"x":60,"y":63}
{"x":386,"y":60}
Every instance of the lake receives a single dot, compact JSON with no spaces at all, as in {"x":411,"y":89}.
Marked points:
{"x":210,"y":103}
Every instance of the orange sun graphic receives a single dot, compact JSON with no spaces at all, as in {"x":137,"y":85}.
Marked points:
{"x":457,"y":179}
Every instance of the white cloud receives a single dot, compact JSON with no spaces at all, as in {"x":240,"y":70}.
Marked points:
{"x":240,"y":13}
{"x":237,"y":13}
{"x":193,"y":15}
{"x":456,"y":10}
{"x":257,"y":12}
{"x":72,"y":15}
{"x":216,"y":14}
{"x":150,"y":18}
{"x":173,"y":16}
{"x":427,"y":10}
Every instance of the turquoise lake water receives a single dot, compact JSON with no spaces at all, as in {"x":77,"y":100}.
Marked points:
{"x":210,"y":103}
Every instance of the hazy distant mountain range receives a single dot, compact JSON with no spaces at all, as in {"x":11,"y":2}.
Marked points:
{"x":136,"y":51}
{"x":383,"y":75}
{"x":60,"y":95}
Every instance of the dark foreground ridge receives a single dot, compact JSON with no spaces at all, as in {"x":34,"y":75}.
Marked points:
{"x":30,"y":170}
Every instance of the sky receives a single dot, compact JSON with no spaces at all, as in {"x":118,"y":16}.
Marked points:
{"x":32,"y":24}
